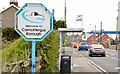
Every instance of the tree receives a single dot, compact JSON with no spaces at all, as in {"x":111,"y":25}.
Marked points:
{"x":59,"y":24}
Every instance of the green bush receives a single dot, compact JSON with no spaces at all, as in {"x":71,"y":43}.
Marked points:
{"x":9,"y":34}
{"x":48,"y":49}
{"x":113,"y":42}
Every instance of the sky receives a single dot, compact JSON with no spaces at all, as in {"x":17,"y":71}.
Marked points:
{"x":93,"y":11}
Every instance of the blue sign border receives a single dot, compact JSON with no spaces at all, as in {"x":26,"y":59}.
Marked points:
{"x":33,"y":39}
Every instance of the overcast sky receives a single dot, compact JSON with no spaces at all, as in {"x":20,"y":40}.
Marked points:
{"x":93,"y":11}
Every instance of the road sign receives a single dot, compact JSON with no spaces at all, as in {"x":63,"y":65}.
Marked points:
{"x":33,"y":21}
{"x":84,"y":37}
{"x":77,"y":38}
{"x":79,"y":18}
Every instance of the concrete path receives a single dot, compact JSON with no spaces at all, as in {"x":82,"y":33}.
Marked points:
{"x":79,"y":64}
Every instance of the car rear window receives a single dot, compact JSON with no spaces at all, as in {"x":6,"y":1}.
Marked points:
{"x":97,"y":46}
{"x":83,"y":43}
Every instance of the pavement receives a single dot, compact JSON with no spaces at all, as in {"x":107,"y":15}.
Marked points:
{"x":79,"y":63}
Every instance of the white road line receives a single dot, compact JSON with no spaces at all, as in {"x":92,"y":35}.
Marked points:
{"x":117,"y":68}
{"x":113,"y":57}
{"x":118,"y":59}
{"x":112,"y":54}
{"x":107,"y":55}
{"x":94,"y":65}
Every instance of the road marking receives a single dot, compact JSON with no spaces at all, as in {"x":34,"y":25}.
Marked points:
{"x":113,"y":57}
{"x":112,"y":54}
{"x":95,"y":66}
{"x":117,"y":68}
{"x":118,"y":59}
{"x":107,"y":55}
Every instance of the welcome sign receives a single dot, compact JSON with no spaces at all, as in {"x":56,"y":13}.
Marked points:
{"x":34,"y":21}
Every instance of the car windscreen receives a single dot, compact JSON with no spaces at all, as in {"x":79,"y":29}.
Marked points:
{"x":83,"y":44}
{"x":97,"y":46}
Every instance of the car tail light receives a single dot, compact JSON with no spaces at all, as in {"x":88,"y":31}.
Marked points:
{"x":80,"y":46}
{"x":92,"y":49}
{"x":103,"y":49}
{"x":86,"y":46}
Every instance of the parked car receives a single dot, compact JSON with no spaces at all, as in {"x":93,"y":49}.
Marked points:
{"x":96,"y":50}
{"x":74,"y":45}
{"x":83,"y":46}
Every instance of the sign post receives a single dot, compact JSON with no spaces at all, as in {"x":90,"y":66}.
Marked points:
{"x":33,"y":22}
{"x":33,"y":56}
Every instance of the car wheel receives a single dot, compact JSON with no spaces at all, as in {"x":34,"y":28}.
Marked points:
{"x":78,"y":49}
{"x":103,"y":55}
{"x":90,"y":55}
{"x":86,"y":49}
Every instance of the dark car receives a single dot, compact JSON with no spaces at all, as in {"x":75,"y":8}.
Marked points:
{"x":83,"y":46}
{"x":96,"y":50}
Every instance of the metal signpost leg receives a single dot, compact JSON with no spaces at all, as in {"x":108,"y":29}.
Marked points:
{"x":73,"y":51}
{"x":33,"y":57}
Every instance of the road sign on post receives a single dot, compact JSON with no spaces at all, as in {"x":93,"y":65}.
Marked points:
{"x":33,"y":22}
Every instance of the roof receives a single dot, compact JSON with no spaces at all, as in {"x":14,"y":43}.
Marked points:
{"x":12,"y":5}
{"x":70,"y":29}
{"x":110,"y":32}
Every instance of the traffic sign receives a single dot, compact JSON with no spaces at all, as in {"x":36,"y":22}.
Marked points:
{"x":84,"y":37}
{"x":33,"y":22}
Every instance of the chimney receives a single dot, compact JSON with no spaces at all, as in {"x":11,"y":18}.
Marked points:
{"x":14,"y":2}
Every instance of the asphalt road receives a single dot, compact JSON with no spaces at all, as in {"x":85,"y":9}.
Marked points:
{"x":108,"y":63}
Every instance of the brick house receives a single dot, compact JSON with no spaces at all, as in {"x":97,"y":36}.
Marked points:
{"x":91,"y":39}
{"x":94,"y":38}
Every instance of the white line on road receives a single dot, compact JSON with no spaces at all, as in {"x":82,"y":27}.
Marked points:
{"x":113,"y":57}
{"x":112,"y":54}
{"x":95,"y":66}
{"x":118,"y":59}
{"x":117,"y":68}
{"x":107,"y":55}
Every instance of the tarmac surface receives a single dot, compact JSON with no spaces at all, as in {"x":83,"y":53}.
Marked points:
{"x":78,"y":62}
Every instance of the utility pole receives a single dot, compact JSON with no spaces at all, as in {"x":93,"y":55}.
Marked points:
{"x":101,"y":33}
{"x":53,"y":12}
{"x":116,"y":33}
{"x":65,"y":12}
{"x":95,"y":34}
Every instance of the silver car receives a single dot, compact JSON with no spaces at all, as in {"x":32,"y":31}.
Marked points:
{"x":96,"y":50}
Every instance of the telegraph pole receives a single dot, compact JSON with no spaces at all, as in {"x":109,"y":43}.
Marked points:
{"x":101,"y":33}
{"x":116,"y":33}
{"x":95,"y":34}
{"x":65,"y":12}
{"x":53,"y":12}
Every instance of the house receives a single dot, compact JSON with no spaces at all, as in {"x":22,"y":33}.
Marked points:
{"x":96,"y":39}
{"x":91,"y":39}
{"x":8,"y":13}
